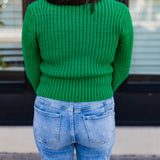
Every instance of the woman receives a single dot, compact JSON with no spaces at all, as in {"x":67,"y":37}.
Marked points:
{"x":75,"y":59}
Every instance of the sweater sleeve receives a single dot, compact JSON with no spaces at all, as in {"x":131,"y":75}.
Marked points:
{"x":123,"y":55}
{"x":30,"y":49}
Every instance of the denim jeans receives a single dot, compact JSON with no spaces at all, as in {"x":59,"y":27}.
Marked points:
{"x":59,"y":126}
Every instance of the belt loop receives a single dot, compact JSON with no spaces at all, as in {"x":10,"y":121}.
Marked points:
{"x":104,"y":103}
{"x":44,"y":101}
{"x":71,"y":106}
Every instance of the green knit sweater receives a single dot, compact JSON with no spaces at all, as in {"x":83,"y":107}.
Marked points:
{"x":71,"y":54}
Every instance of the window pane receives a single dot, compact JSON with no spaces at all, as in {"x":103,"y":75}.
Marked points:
{"x":146,"y":50}
{"x":11,"y":57}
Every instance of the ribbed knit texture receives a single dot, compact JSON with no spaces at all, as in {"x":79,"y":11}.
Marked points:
{"x":71,"y":54}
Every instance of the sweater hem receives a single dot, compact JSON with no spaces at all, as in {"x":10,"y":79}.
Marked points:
{"x":75,"y":90}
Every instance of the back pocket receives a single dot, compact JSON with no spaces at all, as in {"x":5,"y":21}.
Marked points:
{"x":100,"y":127}
{"x":47,"y":127}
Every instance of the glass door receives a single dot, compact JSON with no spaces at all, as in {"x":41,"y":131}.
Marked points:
{"x":16,"y":98}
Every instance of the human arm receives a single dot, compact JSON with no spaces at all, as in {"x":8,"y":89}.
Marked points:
{"x":30,"y":48}
{"x":122,"y":60}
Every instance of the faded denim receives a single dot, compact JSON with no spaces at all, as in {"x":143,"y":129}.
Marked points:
{"x":58,"y":126}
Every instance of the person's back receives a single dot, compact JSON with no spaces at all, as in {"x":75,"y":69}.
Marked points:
{"x":78,"y":49}
{"x":75,"y":60}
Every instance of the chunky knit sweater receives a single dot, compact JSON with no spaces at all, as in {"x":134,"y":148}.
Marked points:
{"x":71,"y":54}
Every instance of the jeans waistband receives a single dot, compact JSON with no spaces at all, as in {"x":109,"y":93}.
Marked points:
{"x":76,"y":106}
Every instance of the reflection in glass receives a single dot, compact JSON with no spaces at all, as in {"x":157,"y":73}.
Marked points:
{"x":146,"y":50}
{"x":11,"y":57}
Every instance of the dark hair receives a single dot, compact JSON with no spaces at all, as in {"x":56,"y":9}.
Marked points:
{"x":73,"y":2}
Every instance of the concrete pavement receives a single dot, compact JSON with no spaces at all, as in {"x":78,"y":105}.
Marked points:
{"x":35,"y":156}
{"x":139,"y":141}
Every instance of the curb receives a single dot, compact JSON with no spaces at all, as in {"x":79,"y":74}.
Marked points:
{"x":36,"y":156}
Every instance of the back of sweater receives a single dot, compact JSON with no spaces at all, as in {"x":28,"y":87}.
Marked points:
{"x":71,"y":54}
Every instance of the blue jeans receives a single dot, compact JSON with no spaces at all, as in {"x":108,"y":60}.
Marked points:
{"x":58,"y":126}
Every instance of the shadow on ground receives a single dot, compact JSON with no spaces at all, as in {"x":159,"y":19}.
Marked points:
{"x":35,"y":156}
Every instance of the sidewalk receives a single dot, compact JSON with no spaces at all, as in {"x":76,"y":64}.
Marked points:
{"x":139,"y":141}
{"x":35,"y":156}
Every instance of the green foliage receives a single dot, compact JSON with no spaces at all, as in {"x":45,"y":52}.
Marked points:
{"x":1,"y":23}
{"x":2,"y":63}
